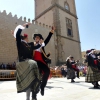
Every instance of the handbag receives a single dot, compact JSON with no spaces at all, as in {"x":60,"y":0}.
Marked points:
{"x":46,"y":59}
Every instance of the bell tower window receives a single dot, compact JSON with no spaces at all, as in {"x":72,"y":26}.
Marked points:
{"x":66,"y":6}
{"x":69,"y":27}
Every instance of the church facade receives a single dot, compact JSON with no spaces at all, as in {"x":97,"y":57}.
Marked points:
{"x":65,"y":41}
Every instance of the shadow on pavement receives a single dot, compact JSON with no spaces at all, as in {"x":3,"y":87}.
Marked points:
{"x":94,"y":88}
{"x":50,"y":87}
{"x":74,"y":83}
{"x":50,"y":82}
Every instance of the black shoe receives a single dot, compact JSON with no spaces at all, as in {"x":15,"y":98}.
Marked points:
{"x":97,"y":84}
{"x":78,"y":77}
{"x":96,"y":87}
{"x":42,"y":92}
{"x":72,"y":81}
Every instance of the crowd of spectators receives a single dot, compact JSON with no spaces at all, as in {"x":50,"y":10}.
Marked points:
{"x":8,"y":66}
{"x":82,"y":68}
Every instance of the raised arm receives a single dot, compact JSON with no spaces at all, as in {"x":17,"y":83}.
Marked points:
{"x":17,"y":32}
{"x":49,"y":36}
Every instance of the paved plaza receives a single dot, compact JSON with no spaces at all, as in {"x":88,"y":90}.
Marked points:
{"x":57,"y":89}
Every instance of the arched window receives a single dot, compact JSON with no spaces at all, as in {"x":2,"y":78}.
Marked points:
{"x":66,"y":6}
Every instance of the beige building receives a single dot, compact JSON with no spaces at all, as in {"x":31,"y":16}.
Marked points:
{"x":61,"y":14}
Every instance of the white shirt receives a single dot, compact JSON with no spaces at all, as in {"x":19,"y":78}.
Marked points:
{"x":93,"y":56}
{"x":16,"y":29}
{"x":39,"y":49}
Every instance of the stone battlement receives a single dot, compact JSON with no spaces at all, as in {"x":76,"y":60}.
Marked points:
{"x":24,"y":19}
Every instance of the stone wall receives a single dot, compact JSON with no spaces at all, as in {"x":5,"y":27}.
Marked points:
{"x":8,"y":50}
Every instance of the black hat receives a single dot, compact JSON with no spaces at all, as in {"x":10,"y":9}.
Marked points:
{"x":71,"y":57}
{"x":88,"y":51}
{"x":39,"y":36}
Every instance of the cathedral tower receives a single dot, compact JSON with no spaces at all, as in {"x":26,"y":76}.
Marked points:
{"x":62,"y":14}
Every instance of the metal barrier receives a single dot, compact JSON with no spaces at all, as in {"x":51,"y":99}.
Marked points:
{"x":7,"y":74}
{"x":56,"y":73}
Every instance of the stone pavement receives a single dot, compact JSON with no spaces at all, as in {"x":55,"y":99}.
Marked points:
{"x":57,"y":89}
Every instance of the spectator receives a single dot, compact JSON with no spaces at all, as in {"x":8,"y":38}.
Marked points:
{"x":63,"y":72}
{"x":8,"y":66}
{"x":85,"y":70}
{"x":5,"y":66}
{"x":14,"y":65}
{"x":2,"y":66}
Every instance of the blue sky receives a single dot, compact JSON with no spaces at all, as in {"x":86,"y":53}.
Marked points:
{"x":88,"y":12}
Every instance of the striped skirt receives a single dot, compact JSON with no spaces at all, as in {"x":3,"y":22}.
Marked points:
{"x":93,"y":75}
{"x":27,"y":76}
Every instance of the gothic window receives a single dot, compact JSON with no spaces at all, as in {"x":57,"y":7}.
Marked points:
{"x":69,"y":27}
{"x":66,"y":6}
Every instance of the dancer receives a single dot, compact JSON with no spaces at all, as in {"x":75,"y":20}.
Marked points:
{"x":41,"y":58}
{"x":27,"y":72}
{"x":71,"y":65}
{"x":93,"y":72}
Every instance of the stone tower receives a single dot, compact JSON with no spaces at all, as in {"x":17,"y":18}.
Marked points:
{"x":62,"y":14}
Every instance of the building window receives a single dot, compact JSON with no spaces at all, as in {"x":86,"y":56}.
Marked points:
{"x":69,"y":31}
{"x":66,"y":6}
{"x":69,"y":27}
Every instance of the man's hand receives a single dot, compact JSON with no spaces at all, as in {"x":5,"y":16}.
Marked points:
{"x":53,"y":29}
{"x":41,"y":41}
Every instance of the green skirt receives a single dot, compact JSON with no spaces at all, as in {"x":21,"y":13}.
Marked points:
{"x":27,"y":76}
{"x":70,"y":73}
{"x":93,"y":74}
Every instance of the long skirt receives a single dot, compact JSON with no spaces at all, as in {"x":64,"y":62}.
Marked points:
{"x":70,"y":73}
{"x":27,"y":76}
{"x":93,"y":74}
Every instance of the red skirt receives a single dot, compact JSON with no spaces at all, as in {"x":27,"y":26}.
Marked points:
{"x":74,"y":67}
{"x":95,"y":62}
{"x":38,"y":57}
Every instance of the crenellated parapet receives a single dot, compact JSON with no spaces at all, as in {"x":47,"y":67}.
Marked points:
{"x":23,"y":19}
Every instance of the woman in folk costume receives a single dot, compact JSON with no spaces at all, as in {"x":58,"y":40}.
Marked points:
{"x":40,"y":57}
{"x":93,"y":73}
{"x":71,"y":65}
{"x":27,"y":73}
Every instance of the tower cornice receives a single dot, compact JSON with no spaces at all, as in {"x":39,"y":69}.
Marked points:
{"x":51,"y":7}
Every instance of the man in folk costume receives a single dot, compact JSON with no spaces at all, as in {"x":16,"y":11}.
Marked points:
{"x":41,"y":58}
{"x":27,"y":73}
{"x":93,"y":72}
{"x":71,"y":65}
